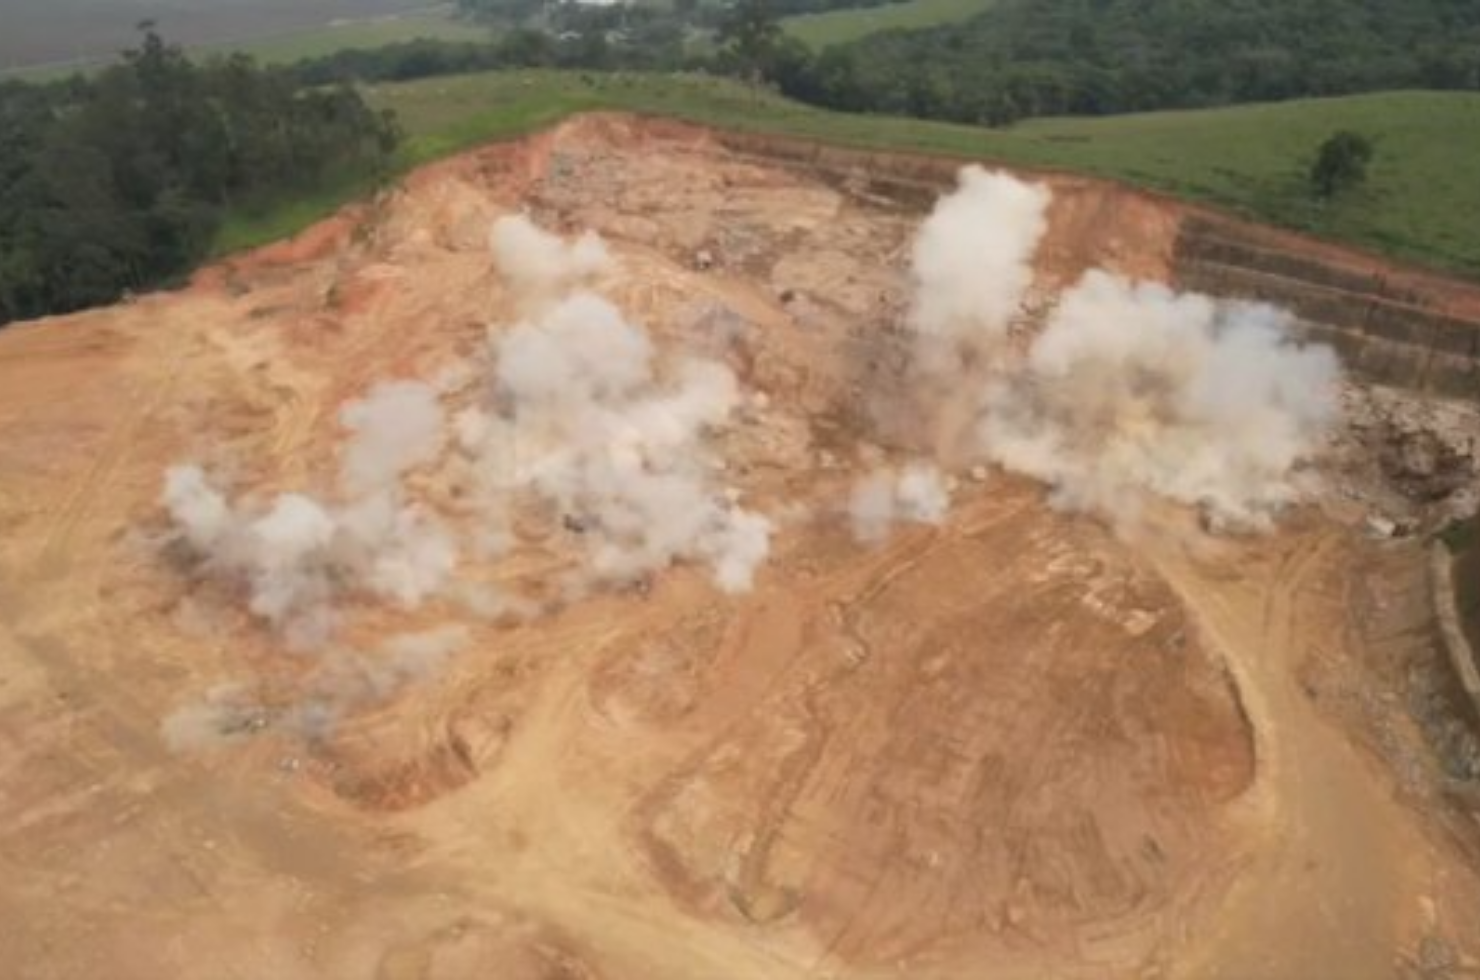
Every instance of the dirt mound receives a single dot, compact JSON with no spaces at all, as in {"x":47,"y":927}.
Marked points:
{"x":1013,"y":745}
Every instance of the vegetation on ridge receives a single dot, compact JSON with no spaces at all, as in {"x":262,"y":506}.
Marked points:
{"x":120,"y":181}
{"x":1255,"y":160}
{"x":1028,"y":58}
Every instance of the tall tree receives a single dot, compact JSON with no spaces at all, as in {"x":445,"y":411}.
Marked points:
{"x":1340,"y":164}
{"x":750,"y":34}
{"x":119,"y":181}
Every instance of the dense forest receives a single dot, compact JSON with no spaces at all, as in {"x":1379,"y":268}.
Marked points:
{"x":119,"y":180}
{"x":1050,"y":57}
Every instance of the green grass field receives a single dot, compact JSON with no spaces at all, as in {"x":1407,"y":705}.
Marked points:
{"x":840,"y":26}
{"x":309,"y":43}
{"x":357,"y":34}
{"x":1420,"y":203}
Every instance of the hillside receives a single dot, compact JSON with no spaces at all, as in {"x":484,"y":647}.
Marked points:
{"x":433,"y":592}
{"x":842,"y":26}
{"x":1418,"y":205}
{"x":1029,"y":58}
{"x":119,"y":181}
{"x":40,"y":31}
{"x":44,"y":40}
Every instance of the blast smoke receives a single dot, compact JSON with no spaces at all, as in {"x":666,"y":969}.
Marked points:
{"x":538,"y":265}
{"x":580,"y":416}
{"x":279,"y":555}
{"x":299,"y":555}
{"x":1129,"y":390}
{"x":916,"y":494}
{"x":1134,"y":389}
{"x":200,"y":512}
{"x":398,"y":426}
{"x":973,"y":261}
{"x":399,"y":552}
{"x":580,"y":352}
{"x":583,"y":419}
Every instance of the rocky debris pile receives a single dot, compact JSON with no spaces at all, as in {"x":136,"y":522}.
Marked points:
{"x":1421,"y":464}
{"x":1412,"y":464}
{"x":1440,"y":710}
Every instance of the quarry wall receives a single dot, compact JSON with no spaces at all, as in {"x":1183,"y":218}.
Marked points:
{"x":1391,"y":325}
{"x":1388,"y":328}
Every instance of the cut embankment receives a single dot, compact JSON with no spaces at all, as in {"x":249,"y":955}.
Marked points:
{"x":1455,"y":572}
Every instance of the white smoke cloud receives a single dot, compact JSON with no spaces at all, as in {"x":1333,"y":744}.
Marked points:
{"x":538,"y":265}
{"x":398,"y":552}
{"x":973,"y":260}
{"x":736,"y":545}
{"x":200,"y":512}
{"x":579,"y":352}
{"x":398,"y":426}
{"x":299,"y":556}
{"x":1133,"y":389}
{"x":284,"y":555}
{"x":1130,"y":389}
{"x":916,"y":494}
{"x":582,"y":418}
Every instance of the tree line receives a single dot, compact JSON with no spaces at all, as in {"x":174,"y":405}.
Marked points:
{"x":119,"y":181}
{"x":1024,"y":58}
{"x":1016,"y":60}
{"x":702,"y":13}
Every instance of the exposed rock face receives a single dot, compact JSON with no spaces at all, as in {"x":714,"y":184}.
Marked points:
{"x":1390,"y":326}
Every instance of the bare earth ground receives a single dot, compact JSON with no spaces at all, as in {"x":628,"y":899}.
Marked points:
{"x":1013,"y":746}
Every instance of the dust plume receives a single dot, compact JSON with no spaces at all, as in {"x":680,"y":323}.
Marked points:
{"x":915,"y":494}
{"x":298,"y":555}
{"x":581,"y":426}
{"x":400,"y":425}
{"x":1129,"y":390}
{"x":972,"y":263}
{"x":327,"y":689}
{"x":583,"y":418}
{"x":1134,"y":389}
{"x":538,"y":265}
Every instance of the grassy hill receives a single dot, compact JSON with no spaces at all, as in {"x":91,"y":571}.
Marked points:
{"x":316,"y":42}
{"x":842,"y":26}
{"x":1420,"y":203}
{"x":271,"y":43}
